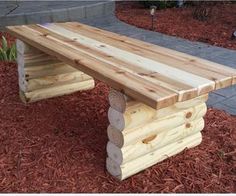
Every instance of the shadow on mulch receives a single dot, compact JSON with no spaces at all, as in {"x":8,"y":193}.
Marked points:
{"x":217,"y":30}
{"x":59,"y":145}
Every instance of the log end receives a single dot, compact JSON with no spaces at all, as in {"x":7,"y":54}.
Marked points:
{"x":116,"y":119}
{"x":115,"y":153}
{"x":118,"y":100}
{"x":113,"y":168}
{"x":115,"y":136}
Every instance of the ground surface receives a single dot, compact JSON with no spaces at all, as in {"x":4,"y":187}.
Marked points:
{"x":19,"y":7}
{"x":217,"y":30}
{"x":59,"y":145}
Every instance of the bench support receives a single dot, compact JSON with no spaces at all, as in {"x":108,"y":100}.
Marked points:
{"x":42,"y":76}
{"x":140,"y":136}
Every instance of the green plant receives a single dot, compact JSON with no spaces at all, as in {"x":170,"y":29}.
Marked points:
{"x":160,"y":4}
{"x":7,"y":53}
{"x":203,"y":9}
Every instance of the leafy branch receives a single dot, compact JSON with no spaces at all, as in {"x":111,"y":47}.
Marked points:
{"x":7,"y":53}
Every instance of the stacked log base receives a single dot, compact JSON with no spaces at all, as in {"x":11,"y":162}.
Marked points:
{"x":42,"y":76}
{"x":140,"y":136}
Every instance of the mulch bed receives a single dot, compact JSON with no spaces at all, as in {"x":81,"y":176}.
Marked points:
{"x":59,"y":145}
{"x":217,"y":30}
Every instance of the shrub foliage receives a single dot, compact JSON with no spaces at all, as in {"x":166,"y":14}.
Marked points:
{"x":160,"y":4}
{"x":7,"y":52}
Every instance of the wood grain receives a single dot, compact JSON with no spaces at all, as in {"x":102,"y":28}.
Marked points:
{"x":133,"y":134}
{"x":153,"y":142}
{"x":134,"y":166}
{"x":137,"y":113}
{"x":42,"y":76}
{"x":56,"y":91}
{"x":156,"y":76}
{"x":213,"y":71}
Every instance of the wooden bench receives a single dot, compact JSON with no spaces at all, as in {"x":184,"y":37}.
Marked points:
{"x":158,"y":95}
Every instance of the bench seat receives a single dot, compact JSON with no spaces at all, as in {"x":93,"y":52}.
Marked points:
{"x":157,"y":98}
{"x":154,"y":75}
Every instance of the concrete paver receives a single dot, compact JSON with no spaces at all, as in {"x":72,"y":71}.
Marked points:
{"x":214,"y":99}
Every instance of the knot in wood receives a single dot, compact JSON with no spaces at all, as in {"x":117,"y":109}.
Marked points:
{"x":188,"y":125}
{"x":149,"y":139}
{"x":188,"y":115}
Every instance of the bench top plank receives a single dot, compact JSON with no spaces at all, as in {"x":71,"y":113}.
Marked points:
{"x":152,"y":74}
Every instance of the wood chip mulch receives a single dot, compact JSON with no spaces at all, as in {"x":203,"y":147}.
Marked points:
{"x":216,"y":30}
{"x":59,"y":145}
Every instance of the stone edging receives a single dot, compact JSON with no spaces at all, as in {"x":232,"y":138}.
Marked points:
{"x":60,"y":15}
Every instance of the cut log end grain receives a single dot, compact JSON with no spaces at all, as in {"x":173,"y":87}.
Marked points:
{"x":118,"y":100}
{"x":115,"y":136}
{"x":116,"y":119}
{"x":113,"y":168}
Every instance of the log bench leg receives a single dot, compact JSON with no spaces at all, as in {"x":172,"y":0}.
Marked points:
{"x":42,"y":76}
{"x":140,"y":136}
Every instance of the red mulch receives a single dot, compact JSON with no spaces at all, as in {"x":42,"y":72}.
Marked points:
{"x":217,"y":30}
{"x":59,"y":145}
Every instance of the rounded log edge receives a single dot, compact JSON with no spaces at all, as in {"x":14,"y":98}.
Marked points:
{"x":116,"y":119}
{"x":113,"y":168}
{"x":130,"y":168}
{"x":127,"y":153}
{"x":115,"y":136}
{"x":118,"y":100}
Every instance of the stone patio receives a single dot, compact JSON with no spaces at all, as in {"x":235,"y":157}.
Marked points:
{"x":29,"y":12}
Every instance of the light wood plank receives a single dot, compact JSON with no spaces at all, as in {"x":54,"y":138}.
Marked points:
{"x":143,"y":62}
{"x":100,"y":70}
{"x":166,"y":76}
{"x":184,"y":91}
{"x":223,"y":76}
{"x":121,"y":102}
